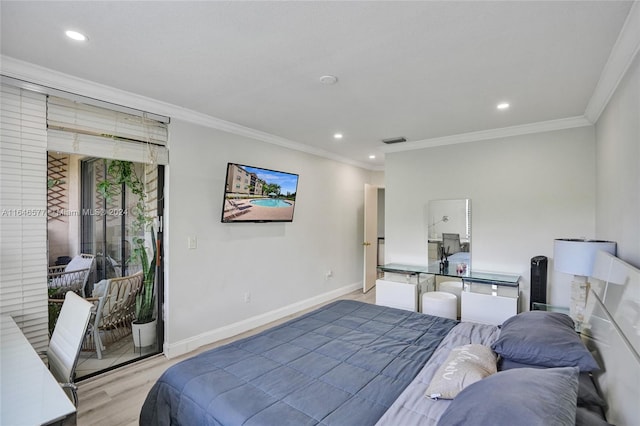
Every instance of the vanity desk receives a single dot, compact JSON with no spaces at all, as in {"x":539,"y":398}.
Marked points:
{"x":400,"y":286}
{"x":487,"y":297}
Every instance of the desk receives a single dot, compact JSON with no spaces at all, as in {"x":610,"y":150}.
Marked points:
{"x":401,"y":286}
{"x":493,"y":278}
{"x":29,"y":394}
{"x":488,"y":297}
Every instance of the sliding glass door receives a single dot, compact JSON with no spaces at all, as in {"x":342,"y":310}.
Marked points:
{"x":112,"y":213}
{"x":106,"y":226}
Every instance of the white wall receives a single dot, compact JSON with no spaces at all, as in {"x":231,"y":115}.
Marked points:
{"x":618,"y":168}
{"x":279,"y":264}
{"x":525,"y":191}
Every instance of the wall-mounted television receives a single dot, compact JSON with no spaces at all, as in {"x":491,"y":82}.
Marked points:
{"x":254,"y":194}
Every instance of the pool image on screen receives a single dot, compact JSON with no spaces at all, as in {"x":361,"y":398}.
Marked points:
{"x":254,"y":194}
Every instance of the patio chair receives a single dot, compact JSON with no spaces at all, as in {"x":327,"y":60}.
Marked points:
{"x":70,"y":277}
{"x":236,"y":209}
{"x":114,"y":310}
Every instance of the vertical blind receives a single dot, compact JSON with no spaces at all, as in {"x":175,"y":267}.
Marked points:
{"x":23,"y":216}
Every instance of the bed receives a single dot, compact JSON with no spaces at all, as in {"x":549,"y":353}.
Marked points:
{"x":352,"y":363}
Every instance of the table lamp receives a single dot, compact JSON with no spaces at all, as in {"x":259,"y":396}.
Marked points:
{"x":445,"y":218}
{"x":576,"y":257}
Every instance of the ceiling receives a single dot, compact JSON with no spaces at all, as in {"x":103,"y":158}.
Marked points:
{"x":421,"y":70}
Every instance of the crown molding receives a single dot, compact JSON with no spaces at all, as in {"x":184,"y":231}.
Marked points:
{"x":48,"y":78}
{"x":525,"y":129}
{"x":622,"y":55}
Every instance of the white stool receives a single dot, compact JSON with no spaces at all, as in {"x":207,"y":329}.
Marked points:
{"x":453,"y":287}
{"x":440,"y":304}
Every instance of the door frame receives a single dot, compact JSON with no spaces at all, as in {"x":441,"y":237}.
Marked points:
{"x":370,"y":236}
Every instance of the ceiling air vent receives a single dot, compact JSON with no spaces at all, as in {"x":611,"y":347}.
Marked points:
{"x":394,"y":140}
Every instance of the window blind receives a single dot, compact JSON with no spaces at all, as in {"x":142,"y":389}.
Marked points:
{"x":113,"y":149}
{"x":23,"y":216}
{"x":77,"y":117}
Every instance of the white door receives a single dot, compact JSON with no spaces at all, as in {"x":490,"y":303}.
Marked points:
{"x":370,"y":243}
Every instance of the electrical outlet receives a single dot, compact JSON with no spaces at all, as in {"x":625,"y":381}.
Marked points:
{"x":328,"y":275}
{"x":247,"y":297}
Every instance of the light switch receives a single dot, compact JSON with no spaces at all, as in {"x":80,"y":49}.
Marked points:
{"x":192,"y":242}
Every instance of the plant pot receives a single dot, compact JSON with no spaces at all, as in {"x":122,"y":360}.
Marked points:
{"x":144,"y":334}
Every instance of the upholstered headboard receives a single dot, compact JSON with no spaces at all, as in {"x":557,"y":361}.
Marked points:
{"x":613,"y":331}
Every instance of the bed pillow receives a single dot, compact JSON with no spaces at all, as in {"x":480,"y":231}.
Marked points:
{"x":530,"y":395}
{"x":545,"y":339}
{"x":465,"y":365}
{"x":588,"y":394}
{"x":507,"y":364}
{"x":586,"y":417}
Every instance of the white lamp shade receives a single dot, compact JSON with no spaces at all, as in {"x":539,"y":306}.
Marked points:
{"x":573,"y":256}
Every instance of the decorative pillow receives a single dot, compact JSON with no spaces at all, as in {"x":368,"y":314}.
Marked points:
{"x":99,"y":288}
{"x":465,"y":365}
{"x":78,"y":262}
{"x":523,"y":396}
{"x":543,"y":338}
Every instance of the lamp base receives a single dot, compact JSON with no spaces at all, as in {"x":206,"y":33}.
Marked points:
{"x":579,"y":293}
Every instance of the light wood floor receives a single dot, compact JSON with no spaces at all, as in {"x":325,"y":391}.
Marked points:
{"x":115,"y":398}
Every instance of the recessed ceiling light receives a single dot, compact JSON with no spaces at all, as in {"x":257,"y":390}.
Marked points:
{"x":503,"y":105}
{"x":372,"y":157}
{"x":74,"y":35}
{"x":328,"y":79}
{"x":337,"y":136}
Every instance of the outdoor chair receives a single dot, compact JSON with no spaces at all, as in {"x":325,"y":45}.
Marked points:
{"x":236,"y":209}
{"x":115,"y":302}
{"x":70,"y":277}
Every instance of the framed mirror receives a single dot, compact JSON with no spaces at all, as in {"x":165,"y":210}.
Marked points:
{"x":449,"y":229}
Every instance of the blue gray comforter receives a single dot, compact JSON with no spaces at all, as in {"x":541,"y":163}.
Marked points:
{"x":343,"y":364}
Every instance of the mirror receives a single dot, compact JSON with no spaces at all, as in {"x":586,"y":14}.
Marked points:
{"x":453,"y":219}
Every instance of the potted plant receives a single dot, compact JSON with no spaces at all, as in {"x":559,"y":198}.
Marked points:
{"x":121,"y":174}
{"x":144,"y":326}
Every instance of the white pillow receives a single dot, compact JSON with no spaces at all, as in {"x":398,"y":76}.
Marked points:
{"x":78,"y":262}
{"x":465,"y":365}
{"x":99,"y":288}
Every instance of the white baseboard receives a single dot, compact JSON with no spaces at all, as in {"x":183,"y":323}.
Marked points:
{"x":172,"y":350}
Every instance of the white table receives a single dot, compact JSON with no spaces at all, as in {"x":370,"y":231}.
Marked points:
{"x":29,"y":394}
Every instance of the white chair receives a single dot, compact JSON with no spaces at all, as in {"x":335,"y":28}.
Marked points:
{"x":440,"y":304}
{"x":66,"y":341}
{"x":70,"y":277}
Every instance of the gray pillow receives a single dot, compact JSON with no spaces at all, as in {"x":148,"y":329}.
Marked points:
{"x":523,"y":396}
{"x":588,"y":394}
{"x":586,"y":417}
{"x":545,"y":339}
{"x":465,"y":365}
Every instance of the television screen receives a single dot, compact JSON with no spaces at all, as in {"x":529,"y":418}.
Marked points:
{"x":253,"y":194}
